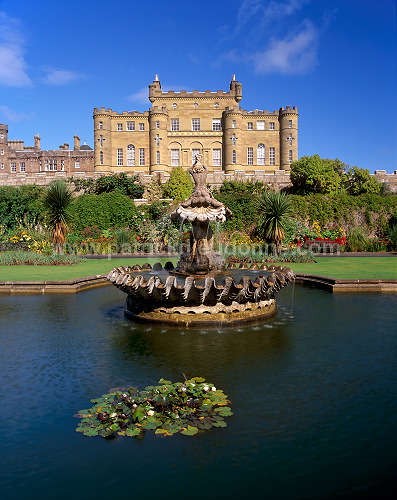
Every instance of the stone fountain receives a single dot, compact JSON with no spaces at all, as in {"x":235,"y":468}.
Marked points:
{"x":200,"y":290}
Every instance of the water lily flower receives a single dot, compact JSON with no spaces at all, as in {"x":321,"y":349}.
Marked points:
{"x":206,"y":388}
{"x":183,"y":389}
{"x":113,"y":415}
{"x":150,"y":413}
{"x":213,"y":388}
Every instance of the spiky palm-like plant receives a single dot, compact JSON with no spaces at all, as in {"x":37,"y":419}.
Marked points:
{"x":274,"y":209}
{"x":57,"y":199}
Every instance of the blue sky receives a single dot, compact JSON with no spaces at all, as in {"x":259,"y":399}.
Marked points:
{"x":333,"y":59}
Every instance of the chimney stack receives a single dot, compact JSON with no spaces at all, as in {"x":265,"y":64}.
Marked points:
{"x":76,"y":143}
{"x":37,"y":142}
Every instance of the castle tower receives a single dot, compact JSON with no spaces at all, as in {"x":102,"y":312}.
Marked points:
{"x":232,"y":123}
{"x":102,"y":139}
{"x":288,"y":119}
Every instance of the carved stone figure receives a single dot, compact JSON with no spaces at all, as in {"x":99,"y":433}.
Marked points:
{"x":200,"y":209}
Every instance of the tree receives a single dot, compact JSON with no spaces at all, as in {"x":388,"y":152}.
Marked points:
{"x":359,"y":181}
{"x":179,"y":186}
{"x":274,"y":210}
{"x":153,"y":190}
{"x":57,"y":200}
{"x":312,"y":174}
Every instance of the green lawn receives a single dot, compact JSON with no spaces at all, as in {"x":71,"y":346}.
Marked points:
{"x":350,"y":267}
{"x":334,"y":267}
{"x":91,"y":267}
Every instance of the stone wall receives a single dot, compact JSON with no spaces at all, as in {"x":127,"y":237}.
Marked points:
{"x":276,"y":181}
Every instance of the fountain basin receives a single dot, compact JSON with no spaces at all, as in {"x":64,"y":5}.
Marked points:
{"x":160,"y":297}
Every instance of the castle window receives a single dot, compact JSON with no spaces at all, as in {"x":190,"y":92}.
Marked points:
{"x":174,"y":104}
{"x":101,"y":139}
{"x":234,"y":156}
{"x":216,"y":104}
{"x":119,"y":156}
{"x":174,"y":124}
{"x":157,"y":124}
{"x":260,"y":154}
{"x":290,"y":139}
{"x":272,"y":156}
{"x":141,"y":127}
{"x":141,"y":156}
{"x":260,"y":125}
{"x":272,"y":126}
{"x":130,"y":125}
{"x":158,"y":157}
{"x":233,"y":123}
{"x":289,"y":123}
{"x":101,"y":125}
{"x":2,"y":166}
{"x":194,"y":153}
{"x":100,"y":157}
{"x":216,"y":124}
{"x":250,"y":156}
{"x":216,"y":158}
{"x":175,"y":157}
{"x":130,"y":155}
{"x":195,"y":124}
{"x":50,"y":165}
{"x":250,"y":126}
{"x":195,"y":105}
{"x":119,"y":127}
{"x":76,"y":164}
{"x":290,"y":156}
{"x":233,"y":138}
{"x":22,"y":166}
{"x":1,"y":151}
{"x":13,"y":167}
{"x":63,"y":165}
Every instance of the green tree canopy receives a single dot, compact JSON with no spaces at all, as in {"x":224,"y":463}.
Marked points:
{"x":312,"y":174}
{"x":20,"y":206}
{"x":179,"y":186}
{"x":359,"y":181}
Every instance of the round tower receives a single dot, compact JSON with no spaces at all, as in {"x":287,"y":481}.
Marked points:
{"x":158,"y":123}
{"x":288,"y":119}
{"x":232,"y":122}
{"x":102,"y":140}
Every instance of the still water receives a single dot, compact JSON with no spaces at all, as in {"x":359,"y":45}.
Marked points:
{"x":313,"y":394}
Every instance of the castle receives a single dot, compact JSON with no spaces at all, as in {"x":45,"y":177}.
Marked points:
{"x":234,"y":144}
{"x":180,"y":125}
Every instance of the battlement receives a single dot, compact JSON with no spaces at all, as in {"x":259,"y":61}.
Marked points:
{"x":259,"y":112}
{"x":110,"y":112}
{"x":289,"y":111}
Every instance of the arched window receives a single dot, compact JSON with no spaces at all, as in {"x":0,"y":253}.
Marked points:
{"x":130,"y":155}
{"x":101,"y":157}
{"x":260,"y":154}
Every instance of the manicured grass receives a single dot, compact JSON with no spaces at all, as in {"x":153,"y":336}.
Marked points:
{"x":91,"y":267}
{"x":333,"y":267}
{"x":354,"y":268}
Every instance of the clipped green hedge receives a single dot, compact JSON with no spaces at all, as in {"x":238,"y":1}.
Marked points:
{"x":105,"y":211}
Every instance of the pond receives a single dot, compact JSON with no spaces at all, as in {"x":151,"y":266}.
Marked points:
{"x":313,"y":393}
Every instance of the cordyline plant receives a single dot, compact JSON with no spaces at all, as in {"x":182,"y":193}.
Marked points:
{"x":56,"y":200}
{"x":166,"y":409}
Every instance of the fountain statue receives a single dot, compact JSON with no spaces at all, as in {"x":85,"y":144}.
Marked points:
{"x":200,"y":290}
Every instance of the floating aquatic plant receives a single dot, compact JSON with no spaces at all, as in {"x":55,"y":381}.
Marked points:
{"x":186,"y":407}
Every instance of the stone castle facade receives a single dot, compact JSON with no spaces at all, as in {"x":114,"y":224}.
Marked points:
{"x":20,"y":164}
{"x":180,"y":125}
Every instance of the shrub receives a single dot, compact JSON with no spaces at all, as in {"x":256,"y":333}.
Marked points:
{"x":36,"y":259}
{"x":104,"y":211}
{"x":179,"y":186}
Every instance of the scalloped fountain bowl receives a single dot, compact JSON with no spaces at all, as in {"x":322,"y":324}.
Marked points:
{"x":238,"y":295}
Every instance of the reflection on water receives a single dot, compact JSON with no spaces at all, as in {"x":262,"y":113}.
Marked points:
{"x":313,"y":392}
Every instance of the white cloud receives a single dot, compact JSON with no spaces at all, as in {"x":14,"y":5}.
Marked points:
{"x":13,"y":116}
{"x":13,"y":67}
{"x":59,"y":77}
{"x":141,"y":96}
{"x":295,"y":54}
